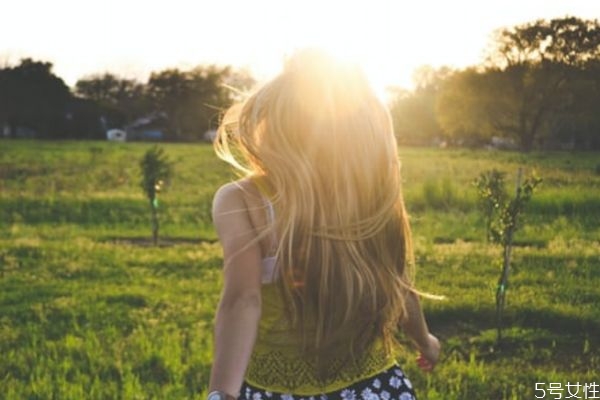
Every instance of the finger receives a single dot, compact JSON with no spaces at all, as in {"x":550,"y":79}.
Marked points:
{"x":422,"y":359}
{"x":424,"y":365}
{"x":426,"y":368}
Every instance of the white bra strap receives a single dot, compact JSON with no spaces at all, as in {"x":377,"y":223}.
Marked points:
{"x":270,"y":211}
{"x":270,"y":221}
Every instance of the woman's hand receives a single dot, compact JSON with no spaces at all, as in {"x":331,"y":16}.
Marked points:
{"x":415,"y":327}
{"x":430,"y":354}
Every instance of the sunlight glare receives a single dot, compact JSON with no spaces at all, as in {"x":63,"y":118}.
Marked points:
{"x":362,"y":36}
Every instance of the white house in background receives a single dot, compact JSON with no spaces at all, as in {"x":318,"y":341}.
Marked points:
{"x":116,"y":135}
{"x":150,"y":127}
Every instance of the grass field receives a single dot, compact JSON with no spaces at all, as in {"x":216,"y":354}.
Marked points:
{"x":89,"y":310}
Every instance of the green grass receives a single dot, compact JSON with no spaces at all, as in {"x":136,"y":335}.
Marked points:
{"x":88,"y":309}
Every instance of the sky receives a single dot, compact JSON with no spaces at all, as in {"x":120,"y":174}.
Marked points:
{"x":389,"y":38}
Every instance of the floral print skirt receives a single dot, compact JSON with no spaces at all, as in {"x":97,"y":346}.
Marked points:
{"x":391,"y":384}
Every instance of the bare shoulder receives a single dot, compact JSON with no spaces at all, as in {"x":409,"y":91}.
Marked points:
{"x":242,"y":188}
{"x":234,"y":225}
{"x":233,"y":196}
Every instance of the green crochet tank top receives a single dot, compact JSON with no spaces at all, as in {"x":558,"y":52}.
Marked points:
{"x":278,"y":364}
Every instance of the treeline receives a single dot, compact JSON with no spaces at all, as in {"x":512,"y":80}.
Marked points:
{"x":34,"y":102}
{"x":539,"y":87}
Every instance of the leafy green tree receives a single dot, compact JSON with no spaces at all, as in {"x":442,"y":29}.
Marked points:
{"x":169,"y":91}
{"x":567,"y":41}
{"x":536,"y":79}
{"x":579,"y":123}
{"x":121,"y":100}
{"x":413,"y":112}
{"x":31,"y":95}
{"x":492,"y":196}
{"x":502,"y":217}
{"x":540,"y":60}
{"x":156,"y":171}
{"x":192,"y":100}
{"x":469,"y":107}
{"x":210,"y":98}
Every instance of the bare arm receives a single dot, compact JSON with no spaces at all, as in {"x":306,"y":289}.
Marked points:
{"x":238,"y":313}
{"x":415,"y":327}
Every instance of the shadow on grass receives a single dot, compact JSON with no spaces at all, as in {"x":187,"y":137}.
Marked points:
{"x":165,"y":241}
{"x":463,"y":321}
{"x":540,"y":336}
{"x":530,"y":337}
{"x":128,"y":299}
{"x":537,"y":243}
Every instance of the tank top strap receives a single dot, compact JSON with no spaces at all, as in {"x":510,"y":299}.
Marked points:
{"x":270,"y":222}
{"x":270,"y":210}
{"x":263,"y":190}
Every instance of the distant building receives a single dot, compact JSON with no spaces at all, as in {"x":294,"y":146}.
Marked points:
{"x":116,"y":135}
{"x":150,"y":127}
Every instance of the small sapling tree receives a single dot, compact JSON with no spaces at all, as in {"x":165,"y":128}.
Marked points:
{"x":156,"y":170}
{"x":492,"y":195}
{"x":502,"y":217}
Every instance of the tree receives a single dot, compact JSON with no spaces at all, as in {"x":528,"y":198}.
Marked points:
{"x":169,"y":91}
{"x":210,"y":97}
{"x":502,"y":221}
{"x":192,"y":99}
{"x":540,"y":60}
{"x":413,"y":112}
{"x":468,"y":106}
{"x":156,"y":170}
{"x":579,"y":124}
{"x":121,"y":100}
{"x":492,"y":195}
{"x":563,"y":41}
{"x":32,"y":96}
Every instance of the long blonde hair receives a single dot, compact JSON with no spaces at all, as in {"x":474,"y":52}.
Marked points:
{"x":323,"y":144}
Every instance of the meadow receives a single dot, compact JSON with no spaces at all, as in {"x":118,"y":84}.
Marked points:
{"x":89,"y":309}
